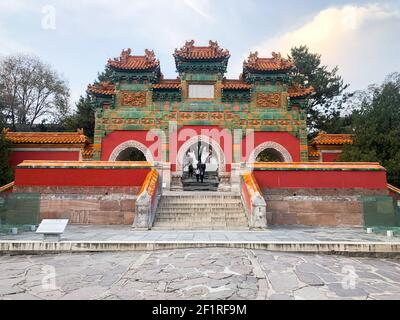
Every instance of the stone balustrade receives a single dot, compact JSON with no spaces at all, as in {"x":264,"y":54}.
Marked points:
{"x":254,"y":202}
{"x":147,"y":201}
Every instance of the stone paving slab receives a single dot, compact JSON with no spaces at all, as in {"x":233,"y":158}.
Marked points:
{"x":283,"y":239}
{"x":272,"y":234}
{"x":188,"y":274}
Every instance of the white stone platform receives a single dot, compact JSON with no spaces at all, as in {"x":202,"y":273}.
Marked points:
{"x":285,"y":239}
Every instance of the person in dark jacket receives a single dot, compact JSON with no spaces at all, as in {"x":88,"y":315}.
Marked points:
{"x":197,"y":172}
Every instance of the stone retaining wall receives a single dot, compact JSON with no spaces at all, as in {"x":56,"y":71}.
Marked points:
{"x":316,"y":207}
{"x":87,"y":205}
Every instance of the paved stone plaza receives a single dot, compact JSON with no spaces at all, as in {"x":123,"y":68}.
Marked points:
{"x":290,"y":234}
{"x":198,"y":274}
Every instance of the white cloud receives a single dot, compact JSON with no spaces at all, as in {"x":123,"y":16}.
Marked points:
{"x":197,"y":7}
{"x":14,"y":6}
{"x":10,"y":46}
{"x":361,"y":40}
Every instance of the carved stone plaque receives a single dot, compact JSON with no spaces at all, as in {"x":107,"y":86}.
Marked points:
{"x":269,"y":100}
{"x":133,"y":99}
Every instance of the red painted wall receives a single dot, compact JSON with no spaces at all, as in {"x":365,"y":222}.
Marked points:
{"x":321,"y":179}
{"x":18,"y":157}
{"x":114,"y":139}
{"x":290,"y":142}
{"x":80,"y":177}
{"x":222,"y":137}
{"x":330,"y":157}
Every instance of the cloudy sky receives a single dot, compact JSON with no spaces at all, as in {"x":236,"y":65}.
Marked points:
{"x":78,"y":36}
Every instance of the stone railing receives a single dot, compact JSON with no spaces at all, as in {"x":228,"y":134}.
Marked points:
{"x":147,"y":201}
{"x":394,"y":189}
{"x":253,"y":201}
{"x":7,"y":187}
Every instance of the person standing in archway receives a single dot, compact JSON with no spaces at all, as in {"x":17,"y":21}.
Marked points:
{"x":198,"y":171}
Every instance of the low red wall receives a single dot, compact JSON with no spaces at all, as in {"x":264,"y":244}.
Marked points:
{"x":330,"y":157}
{"x":18,"y":157}
{"x":89,"y":175}
{"x":318,"y":178}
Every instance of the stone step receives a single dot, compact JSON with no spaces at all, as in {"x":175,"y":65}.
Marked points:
{"x":202,"y":200}
{"x":200,"y":228}
{"x":199,"y":196}
{"x":203,"y":194}
{"x":188,"y":213}
{"x":201,"y":223}
{"x":208,"y":206}
{"x":189,"y":216}
{"x":203,"y":211}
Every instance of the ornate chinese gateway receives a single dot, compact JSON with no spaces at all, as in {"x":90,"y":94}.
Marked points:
{"x":235,"y":119}
{"x":157,"y":139}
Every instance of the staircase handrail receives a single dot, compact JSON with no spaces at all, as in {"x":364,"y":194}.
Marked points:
{"x":253,"y":200}
{"x":7,"y":187}
{"x":147,"y":201}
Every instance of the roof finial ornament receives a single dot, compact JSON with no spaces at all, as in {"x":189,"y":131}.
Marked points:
{"x":188,"y":46}
{"x":125,"y":55}
{"x":150,"y":56}
{"x":253,"y":57}
{"x":277,"y":56}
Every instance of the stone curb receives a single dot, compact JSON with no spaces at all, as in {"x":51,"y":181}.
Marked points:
{"x":347,"y":248}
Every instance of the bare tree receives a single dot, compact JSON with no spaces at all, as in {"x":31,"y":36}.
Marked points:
{"x":31,"y":91}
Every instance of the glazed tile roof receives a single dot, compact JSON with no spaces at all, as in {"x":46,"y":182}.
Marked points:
{"x":191,"y":52}
{"x":313,"y":153}
{"x":128,"y":62}
{"x":297,"y":91}
{"x":275,"y":63}
{"x":84,"y":164}
{"x":87,"y":153}
{"x":317,"y":166}
{"x":168,"y":84}
{"x":332,"y":139}
{"x":47,"y":137}
{"x":105,"y":88}
{"x":235,"y":85}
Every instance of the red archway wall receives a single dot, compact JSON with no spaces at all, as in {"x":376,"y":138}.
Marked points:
{"x":114,"y":139}
{"x":225,"y":142}
{"x":288,"y":141}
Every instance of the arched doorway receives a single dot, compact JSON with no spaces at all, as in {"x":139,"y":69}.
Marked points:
{"x":270,"y":151}
{"x":270,"y":155}
{"x":205,"y":154}
{"x":131,"y":154}
{"x":131,"y":151}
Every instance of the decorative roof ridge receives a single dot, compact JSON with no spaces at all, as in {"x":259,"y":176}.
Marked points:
{"x":124,"y":61}
{"x":297,"y":90}
{"x":324,"y":138}
{"x":235,"y":84}
{"x":277,"y":62}
{"x":77,"y":137}
{"x":190,"y":51}
{"x":168,"y":84}
{"x":103,"y":87}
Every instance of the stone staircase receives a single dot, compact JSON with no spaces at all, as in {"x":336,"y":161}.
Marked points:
{"x":210,"y":182}
{"x":200,"y":211}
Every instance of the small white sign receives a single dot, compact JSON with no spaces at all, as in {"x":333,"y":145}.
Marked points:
{"x":52,"y":226}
